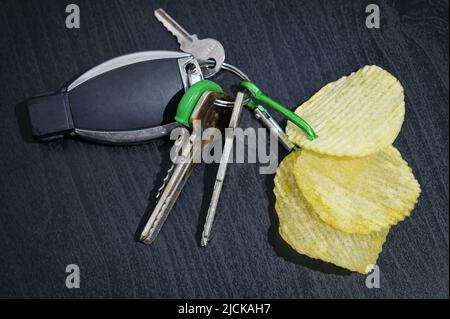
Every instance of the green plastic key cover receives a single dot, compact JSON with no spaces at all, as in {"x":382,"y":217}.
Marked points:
{"x":191,"y":97}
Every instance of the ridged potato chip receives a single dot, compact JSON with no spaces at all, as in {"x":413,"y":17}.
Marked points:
{"x":358,"y":195}
{"x":356,"y":115}
{"x":304,"y":231}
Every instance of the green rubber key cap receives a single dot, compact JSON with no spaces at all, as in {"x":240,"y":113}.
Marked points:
{"x":190,"y":99}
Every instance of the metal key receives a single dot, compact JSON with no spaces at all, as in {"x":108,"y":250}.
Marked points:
{"x":211,"y":116}
{"x":234,"y":122}
{"x":204,"y":50}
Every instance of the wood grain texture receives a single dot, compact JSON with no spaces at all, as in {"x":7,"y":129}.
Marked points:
{"x":73,"y":202}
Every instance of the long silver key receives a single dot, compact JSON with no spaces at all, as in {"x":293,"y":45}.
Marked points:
{"x":204,"y":50}
{"x":173,"y":185}
{"x":168,"y":198}
{"x":228,"y":145}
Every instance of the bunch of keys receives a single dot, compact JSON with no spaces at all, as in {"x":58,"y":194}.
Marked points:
{"x":138,"y":97}
{"x":199,"y":103}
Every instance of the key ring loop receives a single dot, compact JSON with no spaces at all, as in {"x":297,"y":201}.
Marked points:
{"x":237,"y":72}
{"x":255,"y":97}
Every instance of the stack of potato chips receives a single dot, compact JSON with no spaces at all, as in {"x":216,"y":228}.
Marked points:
{"x":338,"y":195}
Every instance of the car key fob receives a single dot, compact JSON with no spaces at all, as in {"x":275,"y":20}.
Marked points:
{"x":130,"y":99}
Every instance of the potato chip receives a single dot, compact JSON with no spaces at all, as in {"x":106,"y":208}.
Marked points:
{"x":358,"y":194}
{"x":304,"y":231}
{"x":356,"y":115}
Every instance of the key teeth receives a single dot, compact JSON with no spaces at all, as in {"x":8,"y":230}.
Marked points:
{"x":174,"y":28}
{"x":168,"y":28}
{"x":178,"y":144}
{"x":166,"y":178}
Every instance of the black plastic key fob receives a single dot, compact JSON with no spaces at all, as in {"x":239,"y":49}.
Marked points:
{"x":127,"y":100}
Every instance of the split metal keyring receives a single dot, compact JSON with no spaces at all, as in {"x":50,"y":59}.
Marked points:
{"x":237,"y":72}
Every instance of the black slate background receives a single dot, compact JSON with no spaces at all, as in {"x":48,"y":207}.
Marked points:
{"x":73,"y":202}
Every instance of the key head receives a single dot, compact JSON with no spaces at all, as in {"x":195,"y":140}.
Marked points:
{"x":210,"y":114}
{"x":206,"y":50}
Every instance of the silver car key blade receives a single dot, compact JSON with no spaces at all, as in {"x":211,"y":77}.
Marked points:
{"x":234,"y":122}
{"x":178,"y":144}
{"x":204,"y":50}
{"x":168,"y":198}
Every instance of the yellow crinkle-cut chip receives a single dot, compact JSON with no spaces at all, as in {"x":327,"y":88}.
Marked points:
{"x":302,"y":228}
{"x":356,"y":115}
{"x":360,"y":194}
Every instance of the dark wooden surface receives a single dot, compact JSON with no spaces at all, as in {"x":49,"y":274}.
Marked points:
{"x":74,"y":202}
